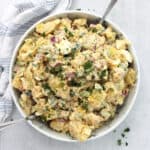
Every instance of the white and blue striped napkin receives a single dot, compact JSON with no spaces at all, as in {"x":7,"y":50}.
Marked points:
{"x":19,"y":16}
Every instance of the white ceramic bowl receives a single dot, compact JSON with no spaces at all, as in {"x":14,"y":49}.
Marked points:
{"x":123,"y":111}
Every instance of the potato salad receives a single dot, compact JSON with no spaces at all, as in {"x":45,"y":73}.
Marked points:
{"x":73,"y":75}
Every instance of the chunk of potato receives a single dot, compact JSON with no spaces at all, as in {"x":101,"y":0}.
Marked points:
{"x":26,"y":103}
{"x":93,"y":120}
{"x":79,"y":130}
{"x":95,"y":99}
{"x":17,"y":83}
{"x":59,"y":125}
{"x":130,"y":77}
{"x":47,"y":27}
{"x":80,"y":22}
{"x":122,"y":44}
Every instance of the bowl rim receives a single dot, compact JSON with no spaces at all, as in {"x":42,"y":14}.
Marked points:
{"x":93,"y":14}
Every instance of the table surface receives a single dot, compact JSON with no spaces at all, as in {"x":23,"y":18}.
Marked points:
{"x":133,"y":17}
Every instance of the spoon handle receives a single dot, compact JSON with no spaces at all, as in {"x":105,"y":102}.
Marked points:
{"x":108,"y":9}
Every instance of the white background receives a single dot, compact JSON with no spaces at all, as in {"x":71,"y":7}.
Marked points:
{"x":133,"y":16}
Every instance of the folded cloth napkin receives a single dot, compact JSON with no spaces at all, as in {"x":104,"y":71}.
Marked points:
{"x":19,"y":16}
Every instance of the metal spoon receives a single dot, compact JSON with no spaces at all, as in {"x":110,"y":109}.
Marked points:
{"x":108,"y":9}
{"x":9,"y":123}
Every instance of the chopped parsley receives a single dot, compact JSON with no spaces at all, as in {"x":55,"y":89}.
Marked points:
{"x":74,"y":82}
{"x":94,"y":30}
{"x":123,"y":135}
{"x":76,"y":47}
{"x":43,"y":118}
{"x":70,"y":34}
{"x":119,"y":142}
{"x":103,"y":74}
{"x":126,"y":143}
{"x":72,"y":93}
{"x":85,"y":105}
{"x":127,"y":130}
{"x":66,"y":30}
{"x":46,"y":86}
{"x":43,"y":34}
{"x":88,"y":66}
{"x":57,"y":69}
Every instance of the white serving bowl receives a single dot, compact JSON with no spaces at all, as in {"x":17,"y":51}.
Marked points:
{"x":123,"y":111}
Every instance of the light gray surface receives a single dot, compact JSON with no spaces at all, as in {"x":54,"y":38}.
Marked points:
{"x":133,"y":16}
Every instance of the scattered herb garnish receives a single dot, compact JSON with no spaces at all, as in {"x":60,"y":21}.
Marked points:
{"x":94,"y":30}
{"x":88,"y":66}
{"x":43,"y":34}
{"x":85,"y":105}
{"x":46,"y":86}
{"x":126,"y":143}
{"x":123,"y":135}
{"x":119,"y":142}
{"x":74,"y":49}
{"x":103,"y":74}
{"x":43,"y":118}
{"x":72,"y":93}
{"x":70,"y":34}
{"x":57,"y":69}
{"x":127,"y":130}
{"x":66,"y":30}
{"x":74,"y":82}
